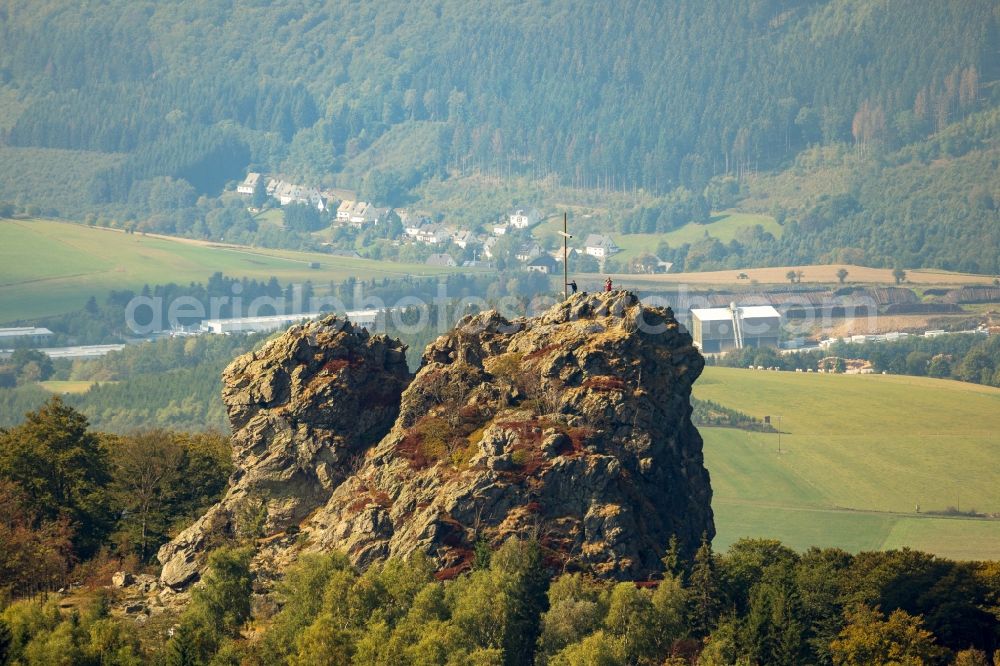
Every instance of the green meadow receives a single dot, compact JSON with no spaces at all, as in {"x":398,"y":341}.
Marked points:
{"x":724,"y":226}
{"x":69,"y":385}
{"x":49,"y":267}
{"x":859,"y":453}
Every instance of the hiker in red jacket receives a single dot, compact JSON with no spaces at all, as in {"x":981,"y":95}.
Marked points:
{"x":607,"y":285}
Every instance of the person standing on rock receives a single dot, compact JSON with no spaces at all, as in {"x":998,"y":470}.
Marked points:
{"x":607,"y":284}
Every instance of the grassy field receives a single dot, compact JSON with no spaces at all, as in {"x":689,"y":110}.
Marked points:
{"x":67,"y":386}
{"x":274,"y":216}
{"x":49,"y":267}
{"x":724,"y":226}
{"x":858,"y":454}
{"x":822,"y":274}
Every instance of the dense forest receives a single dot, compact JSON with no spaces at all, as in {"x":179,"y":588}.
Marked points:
{"x":169,"y":102}
{"x":77,"y":505}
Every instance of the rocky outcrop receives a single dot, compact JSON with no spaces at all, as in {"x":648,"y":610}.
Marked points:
{"x":573,"y":428}
{"x":303,"y":408}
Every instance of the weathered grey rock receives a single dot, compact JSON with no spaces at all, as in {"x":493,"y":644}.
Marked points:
{"x":573,"y":427}
{"x":302,"y":408}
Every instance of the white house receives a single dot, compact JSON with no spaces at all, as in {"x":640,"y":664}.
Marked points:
{"x":433,"y":234}
{"x":344,"y":210}
{"x":249,"y":184}
{"x":522,"y":220}
{"x":359,"y":213}
{"x":289,"y":193}
{"x":600,"y":246}
{"x":500,"y":229}
{"x":543,"y":264}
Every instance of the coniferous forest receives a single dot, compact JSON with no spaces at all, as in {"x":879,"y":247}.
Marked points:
{"x":154,"y":105}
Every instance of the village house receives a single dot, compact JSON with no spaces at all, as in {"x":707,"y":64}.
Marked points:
{"x":412,"y":229}
{"x":289,"y":193}
{"x":250,"y":184}
{"x":543,"y":264}
{"x":411,"y":221}
{"x":378,"y":215}
{"x":360,"y":213}
{"x":433,"y":234}
{"x":599,"y":246}
{"x":463,"y":238}
{"x":523,"y":220}
{"x":528,"y":251}
{"x":441,"y":260}
{"x":499,"y":229}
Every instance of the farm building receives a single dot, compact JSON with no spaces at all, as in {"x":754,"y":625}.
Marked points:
{"x":721,"y":329}
{"x":250,"y":184}
{"x":20,"y":335}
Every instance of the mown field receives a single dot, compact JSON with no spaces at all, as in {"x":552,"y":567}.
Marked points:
{"x":67,"y":385}
{"x":49,"y":267}
{"x":724,"y":226}
{"x":815,"y":273}
{"x":859,"y":453}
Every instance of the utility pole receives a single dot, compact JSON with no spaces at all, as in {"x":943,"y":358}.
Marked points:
{"x":564,"y":233}
{"x":778,"y":416}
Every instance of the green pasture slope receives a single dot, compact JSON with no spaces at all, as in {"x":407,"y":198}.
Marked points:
{"x":49,"y":267}
{"x":724,"y":226}
{"x":858,"y":454}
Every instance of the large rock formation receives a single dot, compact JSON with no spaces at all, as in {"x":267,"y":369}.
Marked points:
{"x":572,"y":427}
{"x":304,"y":408}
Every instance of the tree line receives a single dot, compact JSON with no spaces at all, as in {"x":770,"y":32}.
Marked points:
{"x":758,"y":603}
{"x":961,"y":356}
{"x":69,"y":494}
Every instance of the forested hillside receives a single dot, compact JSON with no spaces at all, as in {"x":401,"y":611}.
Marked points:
{"x":183,"y":97}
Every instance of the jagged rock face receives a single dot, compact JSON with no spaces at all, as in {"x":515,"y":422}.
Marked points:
{"x":303,"y":408}
{"x":572,"y":427}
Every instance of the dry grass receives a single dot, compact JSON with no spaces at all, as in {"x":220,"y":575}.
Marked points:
{"x":814,"y":274}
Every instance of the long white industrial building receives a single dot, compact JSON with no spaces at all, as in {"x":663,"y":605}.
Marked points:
{"x":365,"y":318}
